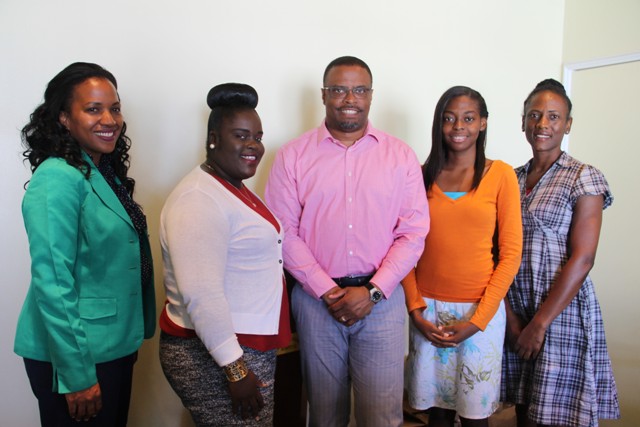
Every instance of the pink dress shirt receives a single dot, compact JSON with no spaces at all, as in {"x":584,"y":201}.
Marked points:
{"x":346,"y":211}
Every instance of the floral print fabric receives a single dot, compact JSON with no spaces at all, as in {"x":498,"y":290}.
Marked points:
{"x":465,"y":378}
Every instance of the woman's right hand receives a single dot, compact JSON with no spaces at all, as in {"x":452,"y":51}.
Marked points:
{"x":246,"y":399}
{"x":515,"y":325}
{"x":430,"y":331}
{"x":525,"y":339}
{"x":530,"y":340}
{"x":85,"y":404}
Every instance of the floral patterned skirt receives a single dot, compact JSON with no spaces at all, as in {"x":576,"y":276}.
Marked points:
{"x":466,"y":378}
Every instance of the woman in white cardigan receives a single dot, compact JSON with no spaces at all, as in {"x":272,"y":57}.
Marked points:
{"x":227,"y":310}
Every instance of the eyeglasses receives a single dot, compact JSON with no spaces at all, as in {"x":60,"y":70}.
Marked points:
{"x":339,"y":92}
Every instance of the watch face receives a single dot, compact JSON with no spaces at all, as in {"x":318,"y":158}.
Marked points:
{"x":376,"y":296}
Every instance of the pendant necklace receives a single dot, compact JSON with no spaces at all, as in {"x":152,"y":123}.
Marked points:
{"x":244,"y":194}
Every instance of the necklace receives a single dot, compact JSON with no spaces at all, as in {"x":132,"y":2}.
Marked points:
{"x":247,"y":195}
{"x":244,"y":194}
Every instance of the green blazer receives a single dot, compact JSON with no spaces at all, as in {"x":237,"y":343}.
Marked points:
{"x":86,"y":303}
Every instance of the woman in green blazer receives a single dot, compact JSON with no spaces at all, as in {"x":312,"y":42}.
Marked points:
{"x":91,"y":300}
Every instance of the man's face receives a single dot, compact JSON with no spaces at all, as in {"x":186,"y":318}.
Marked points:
{"x":347,"y":113}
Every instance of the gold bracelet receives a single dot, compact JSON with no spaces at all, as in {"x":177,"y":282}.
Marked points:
{"x":235,"y":371}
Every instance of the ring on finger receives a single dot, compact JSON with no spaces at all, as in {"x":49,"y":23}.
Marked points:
{"x":343,"y":319}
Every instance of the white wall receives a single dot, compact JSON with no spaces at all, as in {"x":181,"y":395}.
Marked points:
{"x":167,"y":54}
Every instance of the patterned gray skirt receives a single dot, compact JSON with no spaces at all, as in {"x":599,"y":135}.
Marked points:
{"x":202,"y":385}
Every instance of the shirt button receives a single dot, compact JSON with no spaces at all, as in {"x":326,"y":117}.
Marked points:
{"x":279,"y":241}
{"x":279,"y":261}
{"x":350,"y":252}
{"x":350,"y":199}
{"x":350,"y":225}
{"x":349,"y":174}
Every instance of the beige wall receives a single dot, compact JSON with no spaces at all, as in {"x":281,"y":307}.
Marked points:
{"x":600,"y":28}
{"x":605,"y":103}
{"x":167,"y":54}
{"x":598,"y":103}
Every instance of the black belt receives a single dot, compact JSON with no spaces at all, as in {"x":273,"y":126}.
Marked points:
{"x":349,"y":281}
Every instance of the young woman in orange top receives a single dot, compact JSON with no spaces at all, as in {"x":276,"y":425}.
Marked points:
{"x":454,"y":295}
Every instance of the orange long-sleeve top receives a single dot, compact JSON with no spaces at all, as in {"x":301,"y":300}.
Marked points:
{"x":457,"y":264}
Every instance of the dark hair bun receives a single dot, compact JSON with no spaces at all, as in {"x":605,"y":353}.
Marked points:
{"x":234,"y":95}
{"x":550,"y":84}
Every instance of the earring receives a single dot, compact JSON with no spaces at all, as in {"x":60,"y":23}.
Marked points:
{"x":211,"y":146}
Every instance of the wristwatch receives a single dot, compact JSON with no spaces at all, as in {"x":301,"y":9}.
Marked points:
{"x":375,"y":294}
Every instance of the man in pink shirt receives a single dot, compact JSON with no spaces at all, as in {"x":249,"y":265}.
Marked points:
{"x":352,"y":202}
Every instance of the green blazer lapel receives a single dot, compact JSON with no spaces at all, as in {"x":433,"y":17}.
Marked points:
{"x":106,"y":194}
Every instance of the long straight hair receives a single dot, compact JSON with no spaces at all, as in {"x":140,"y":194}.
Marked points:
{"x":439,"y":150}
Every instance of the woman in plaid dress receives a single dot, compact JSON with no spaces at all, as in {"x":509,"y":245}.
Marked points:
{"x":556,"y":368}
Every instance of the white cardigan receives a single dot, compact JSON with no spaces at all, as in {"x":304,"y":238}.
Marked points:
{"x":222,"y":265}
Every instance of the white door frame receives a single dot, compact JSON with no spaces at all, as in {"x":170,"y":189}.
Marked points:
{"x":570,"y":68}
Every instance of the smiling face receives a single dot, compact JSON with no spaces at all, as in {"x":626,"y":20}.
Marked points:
{"x":94,"y":118}
{"x":347,"y":117}
{"x":545,"y":122}
{"x":461,"y":124}
{"x":238,"y":146}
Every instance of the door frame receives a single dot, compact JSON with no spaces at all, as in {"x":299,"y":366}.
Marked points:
{"x":570,"y":68}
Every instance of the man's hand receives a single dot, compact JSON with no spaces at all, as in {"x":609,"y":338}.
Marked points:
{"x":333,"y":295}
{"x":85,"y":404}
{"x":349,"y":305}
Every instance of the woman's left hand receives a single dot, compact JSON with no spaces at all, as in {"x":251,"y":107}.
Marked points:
{"x":84,"y":404}
{"x":246,"y":399}
{"x":458,"y":332}
{"x":431,"y":332}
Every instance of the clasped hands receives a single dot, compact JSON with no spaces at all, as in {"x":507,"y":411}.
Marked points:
{"x":348,"y":305}
{"x":526,"y":339}
{"x":443,"y":336}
